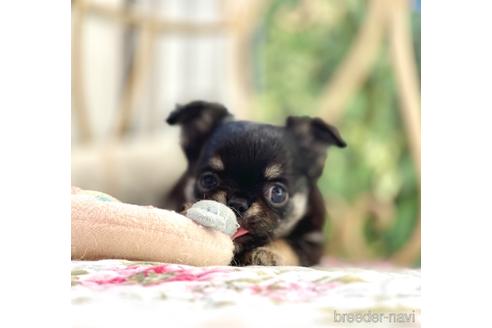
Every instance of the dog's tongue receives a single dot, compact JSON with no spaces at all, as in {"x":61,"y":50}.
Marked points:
{"x":240,"y":232}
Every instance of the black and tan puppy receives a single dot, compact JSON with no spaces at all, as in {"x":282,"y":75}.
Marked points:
{"x":267,"y":174}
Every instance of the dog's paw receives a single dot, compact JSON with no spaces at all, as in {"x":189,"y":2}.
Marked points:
{"x":261,"y":256}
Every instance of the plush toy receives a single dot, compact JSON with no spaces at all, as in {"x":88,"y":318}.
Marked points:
{"x":214,"y":215}
{"x":103,"y":227}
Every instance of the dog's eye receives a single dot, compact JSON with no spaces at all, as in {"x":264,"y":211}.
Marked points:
{"x":209,"y":181}
{"x":277,"y":194}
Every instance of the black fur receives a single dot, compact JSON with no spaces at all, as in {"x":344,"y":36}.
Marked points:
{"x":238,"y":154}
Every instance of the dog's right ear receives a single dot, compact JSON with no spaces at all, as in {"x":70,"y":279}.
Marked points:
{"x":198,"y":119}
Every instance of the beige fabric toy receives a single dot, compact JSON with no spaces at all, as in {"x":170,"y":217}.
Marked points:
{"x":105,"y":228}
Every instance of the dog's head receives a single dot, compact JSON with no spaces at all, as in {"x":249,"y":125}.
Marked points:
{"x":263,"y":172}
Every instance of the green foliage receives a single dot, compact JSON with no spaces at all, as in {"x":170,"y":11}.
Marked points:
{"x":297,"y":48}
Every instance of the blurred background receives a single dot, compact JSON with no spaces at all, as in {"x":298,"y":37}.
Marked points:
{"x":355,"y":63}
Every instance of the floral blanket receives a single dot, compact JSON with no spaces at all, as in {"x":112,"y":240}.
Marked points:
{"x":118,"y":293}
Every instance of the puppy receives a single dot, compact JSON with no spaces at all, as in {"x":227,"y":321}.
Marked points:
{"x":267,"y":174}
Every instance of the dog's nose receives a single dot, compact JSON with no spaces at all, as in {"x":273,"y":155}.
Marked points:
{"x":241,"y":205}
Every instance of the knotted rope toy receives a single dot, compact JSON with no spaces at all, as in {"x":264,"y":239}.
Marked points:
{"x":105,"y":228}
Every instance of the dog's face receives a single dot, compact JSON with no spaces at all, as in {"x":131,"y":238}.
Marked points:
{"x":263,"y":172}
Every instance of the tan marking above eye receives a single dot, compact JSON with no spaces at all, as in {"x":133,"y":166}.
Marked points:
{"x":273,"y":171}
{"x":216,"y":163}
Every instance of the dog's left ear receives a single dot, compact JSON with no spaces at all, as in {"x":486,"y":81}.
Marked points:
{"x":314,"y":137}
{"x":198,"y":120}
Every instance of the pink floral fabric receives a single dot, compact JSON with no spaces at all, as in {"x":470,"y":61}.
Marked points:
{"x":116,"y":292}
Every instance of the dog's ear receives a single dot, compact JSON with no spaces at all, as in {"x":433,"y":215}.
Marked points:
{"x":198,"y":119}
{"x":314,"y":137}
